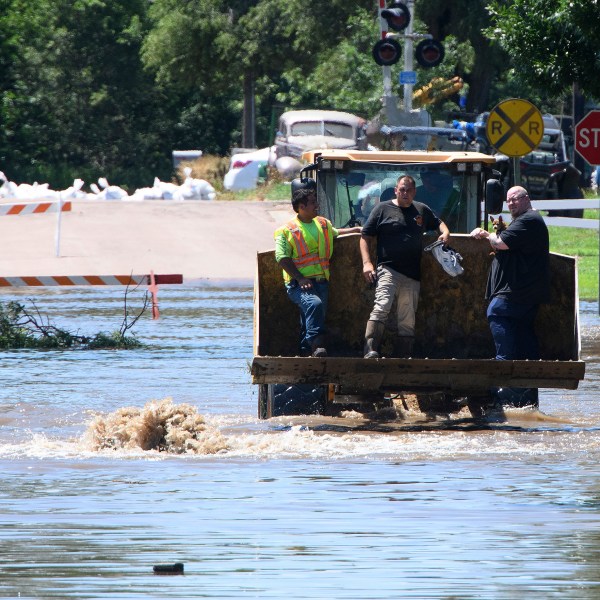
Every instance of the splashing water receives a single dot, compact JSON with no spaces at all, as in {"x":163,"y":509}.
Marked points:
{"x":159,"y":425}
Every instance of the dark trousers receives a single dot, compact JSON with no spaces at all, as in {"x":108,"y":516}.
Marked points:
{"x":512,"y":327}
{"x":313,"y":307}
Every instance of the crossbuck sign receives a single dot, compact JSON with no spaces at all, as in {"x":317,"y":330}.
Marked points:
{"x":515,"y":127}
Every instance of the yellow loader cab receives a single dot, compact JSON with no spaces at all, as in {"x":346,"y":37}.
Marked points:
{"x":453,"y":363}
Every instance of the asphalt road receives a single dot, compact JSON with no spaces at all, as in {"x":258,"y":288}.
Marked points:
{"x":199,"y":239}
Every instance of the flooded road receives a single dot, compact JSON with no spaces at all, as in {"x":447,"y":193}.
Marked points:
{"x":506,"y":511}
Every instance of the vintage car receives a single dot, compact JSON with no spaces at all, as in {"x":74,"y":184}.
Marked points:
{"x":303,"y":130}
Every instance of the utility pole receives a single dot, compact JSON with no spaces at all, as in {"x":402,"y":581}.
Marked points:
{"x":390,"y":108}
{"x":387,"y":52}
{"x":408,"y":59}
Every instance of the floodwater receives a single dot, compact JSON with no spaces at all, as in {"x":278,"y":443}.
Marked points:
{"x":259,"y":509}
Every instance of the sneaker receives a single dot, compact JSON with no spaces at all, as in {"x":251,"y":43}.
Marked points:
{"x":319,"y":353}
{"x":372,"y":354}
{"x":447,"y":257}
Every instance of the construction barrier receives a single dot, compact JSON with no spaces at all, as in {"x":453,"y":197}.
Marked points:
{"x":150,"y":280}
{"x":33,"y":208}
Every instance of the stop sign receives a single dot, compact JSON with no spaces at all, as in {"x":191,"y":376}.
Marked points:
{"x":587,"y":137}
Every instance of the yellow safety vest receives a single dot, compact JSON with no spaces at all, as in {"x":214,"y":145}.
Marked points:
{"x":309,"y":264}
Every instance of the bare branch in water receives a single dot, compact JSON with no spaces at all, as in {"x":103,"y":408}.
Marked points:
{"x":21,"y":327}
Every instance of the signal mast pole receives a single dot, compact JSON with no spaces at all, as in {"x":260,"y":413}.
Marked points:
{"x":408,"y":58}
{"x":389,"y":102}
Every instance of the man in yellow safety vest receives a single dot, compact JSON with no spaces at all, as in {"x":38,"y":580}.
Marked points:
{"x":303,"y":248}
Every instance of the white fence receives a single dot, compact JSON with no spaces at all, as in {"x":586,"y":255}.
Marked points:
{"x":562,"y":205}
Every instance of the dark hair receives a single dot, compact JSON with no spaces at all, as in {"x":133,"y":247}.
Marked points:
{"x":301,"y":196}
{"x":409,"y":177}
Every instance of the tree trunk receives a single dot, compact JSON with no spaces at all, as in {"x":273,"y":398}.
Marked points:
{"x":578,"y":114}
{"x":480,"y":78}
{"x":249,"y":123}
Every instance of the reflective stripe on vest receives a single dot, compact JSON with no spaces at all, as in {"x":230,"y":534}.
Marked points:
{"x":302,"y":258}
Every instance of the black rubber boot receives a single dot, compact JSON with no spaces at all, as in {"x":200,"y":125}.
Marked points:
{"x":373,"y":335}
{"x":404,"y":346}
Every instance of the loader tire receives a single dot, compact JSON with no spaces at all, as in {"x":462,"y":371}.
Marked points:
{"x":281,"y":399}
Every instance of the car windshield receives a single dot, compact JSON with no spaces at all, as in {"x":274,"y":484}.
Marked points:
{"x":348,"y":197}
{"x":328,"y":128}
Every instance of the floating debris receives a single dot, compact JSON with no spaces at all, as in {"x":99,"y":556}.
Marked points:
{"x":174,"y":569}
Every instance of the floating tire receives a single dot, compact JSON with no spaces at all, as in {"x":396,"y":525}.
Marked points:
{"x":281,"y":399}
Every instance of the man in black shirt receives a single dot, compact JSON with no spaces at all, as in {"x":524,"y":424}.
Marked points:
{"x":398,"y":225}
{"x":518,"y":282}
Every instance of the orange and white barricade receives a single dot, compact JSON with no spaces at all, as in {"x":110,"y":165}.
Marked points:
{"x":151,"y":280}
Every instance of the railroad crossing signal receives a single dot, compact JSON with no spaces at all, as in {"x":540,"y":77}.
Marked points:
{"x":387,"y":52}
{"x":587,"y":137}
{"x":397,"y":16}
{"x":515,"y":127}
{"x":429,"y":53}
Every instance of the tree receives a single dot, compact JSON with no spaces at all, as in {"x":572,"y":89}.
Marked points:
{"x":80,"y":103}
{"x":232,"y":47}
{"x":555,"y":42}
{"x":344,"y":76}
{"x":466,"y":20}
{"x":196,"y":47}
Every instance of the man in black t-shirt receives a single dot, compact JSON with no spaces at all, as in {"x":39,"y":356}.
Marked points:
{"x":518,"y":282}
{"x":398,"y":225}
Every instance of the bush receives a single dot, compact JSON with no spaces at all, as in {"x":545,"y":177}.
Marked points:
{"x":21,"y":328}
{"x":209,"y":167}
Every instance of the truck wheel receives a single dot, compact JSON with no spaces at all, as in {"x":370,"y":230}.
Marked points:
{"x":281,"y":399}
{"x":576,"y":213}
{"x":487,"y":404}
{"x":518,"y":397}
{"x":481,"y":405}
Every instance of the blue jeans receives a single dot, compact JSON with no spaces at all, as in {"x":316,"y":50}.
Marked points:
{"x":512,"y":327}
{"x":313,"y":308}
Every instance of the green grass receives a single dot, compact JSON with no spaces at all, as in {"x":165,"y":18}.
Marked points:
{"x":582,"y":243}
{"x":270,"y":191}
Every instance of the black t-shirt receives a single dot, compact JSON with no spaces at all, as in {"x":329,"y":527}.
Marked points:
{"x":399,"y":233}
{"x":522,"y":273}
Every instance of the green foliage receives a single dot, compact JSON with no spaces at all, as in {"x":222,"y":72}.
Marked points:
{"x":93,"y":88}
{"x":115,"y":340}
{"x":554,"y":42}
{"x":472,"y":56}
{"x":356,"y":85}
{"x":21,"y":328}
{"x":184,"y":45}
{"x":81,"y":104}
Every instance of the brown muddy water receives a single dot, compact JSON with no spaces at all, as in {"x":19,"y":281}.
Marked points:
{"x":273,"y":509}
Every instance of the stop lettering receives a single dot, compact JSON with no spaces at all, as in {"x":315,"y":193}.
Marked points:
{"x":587,"y":137}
